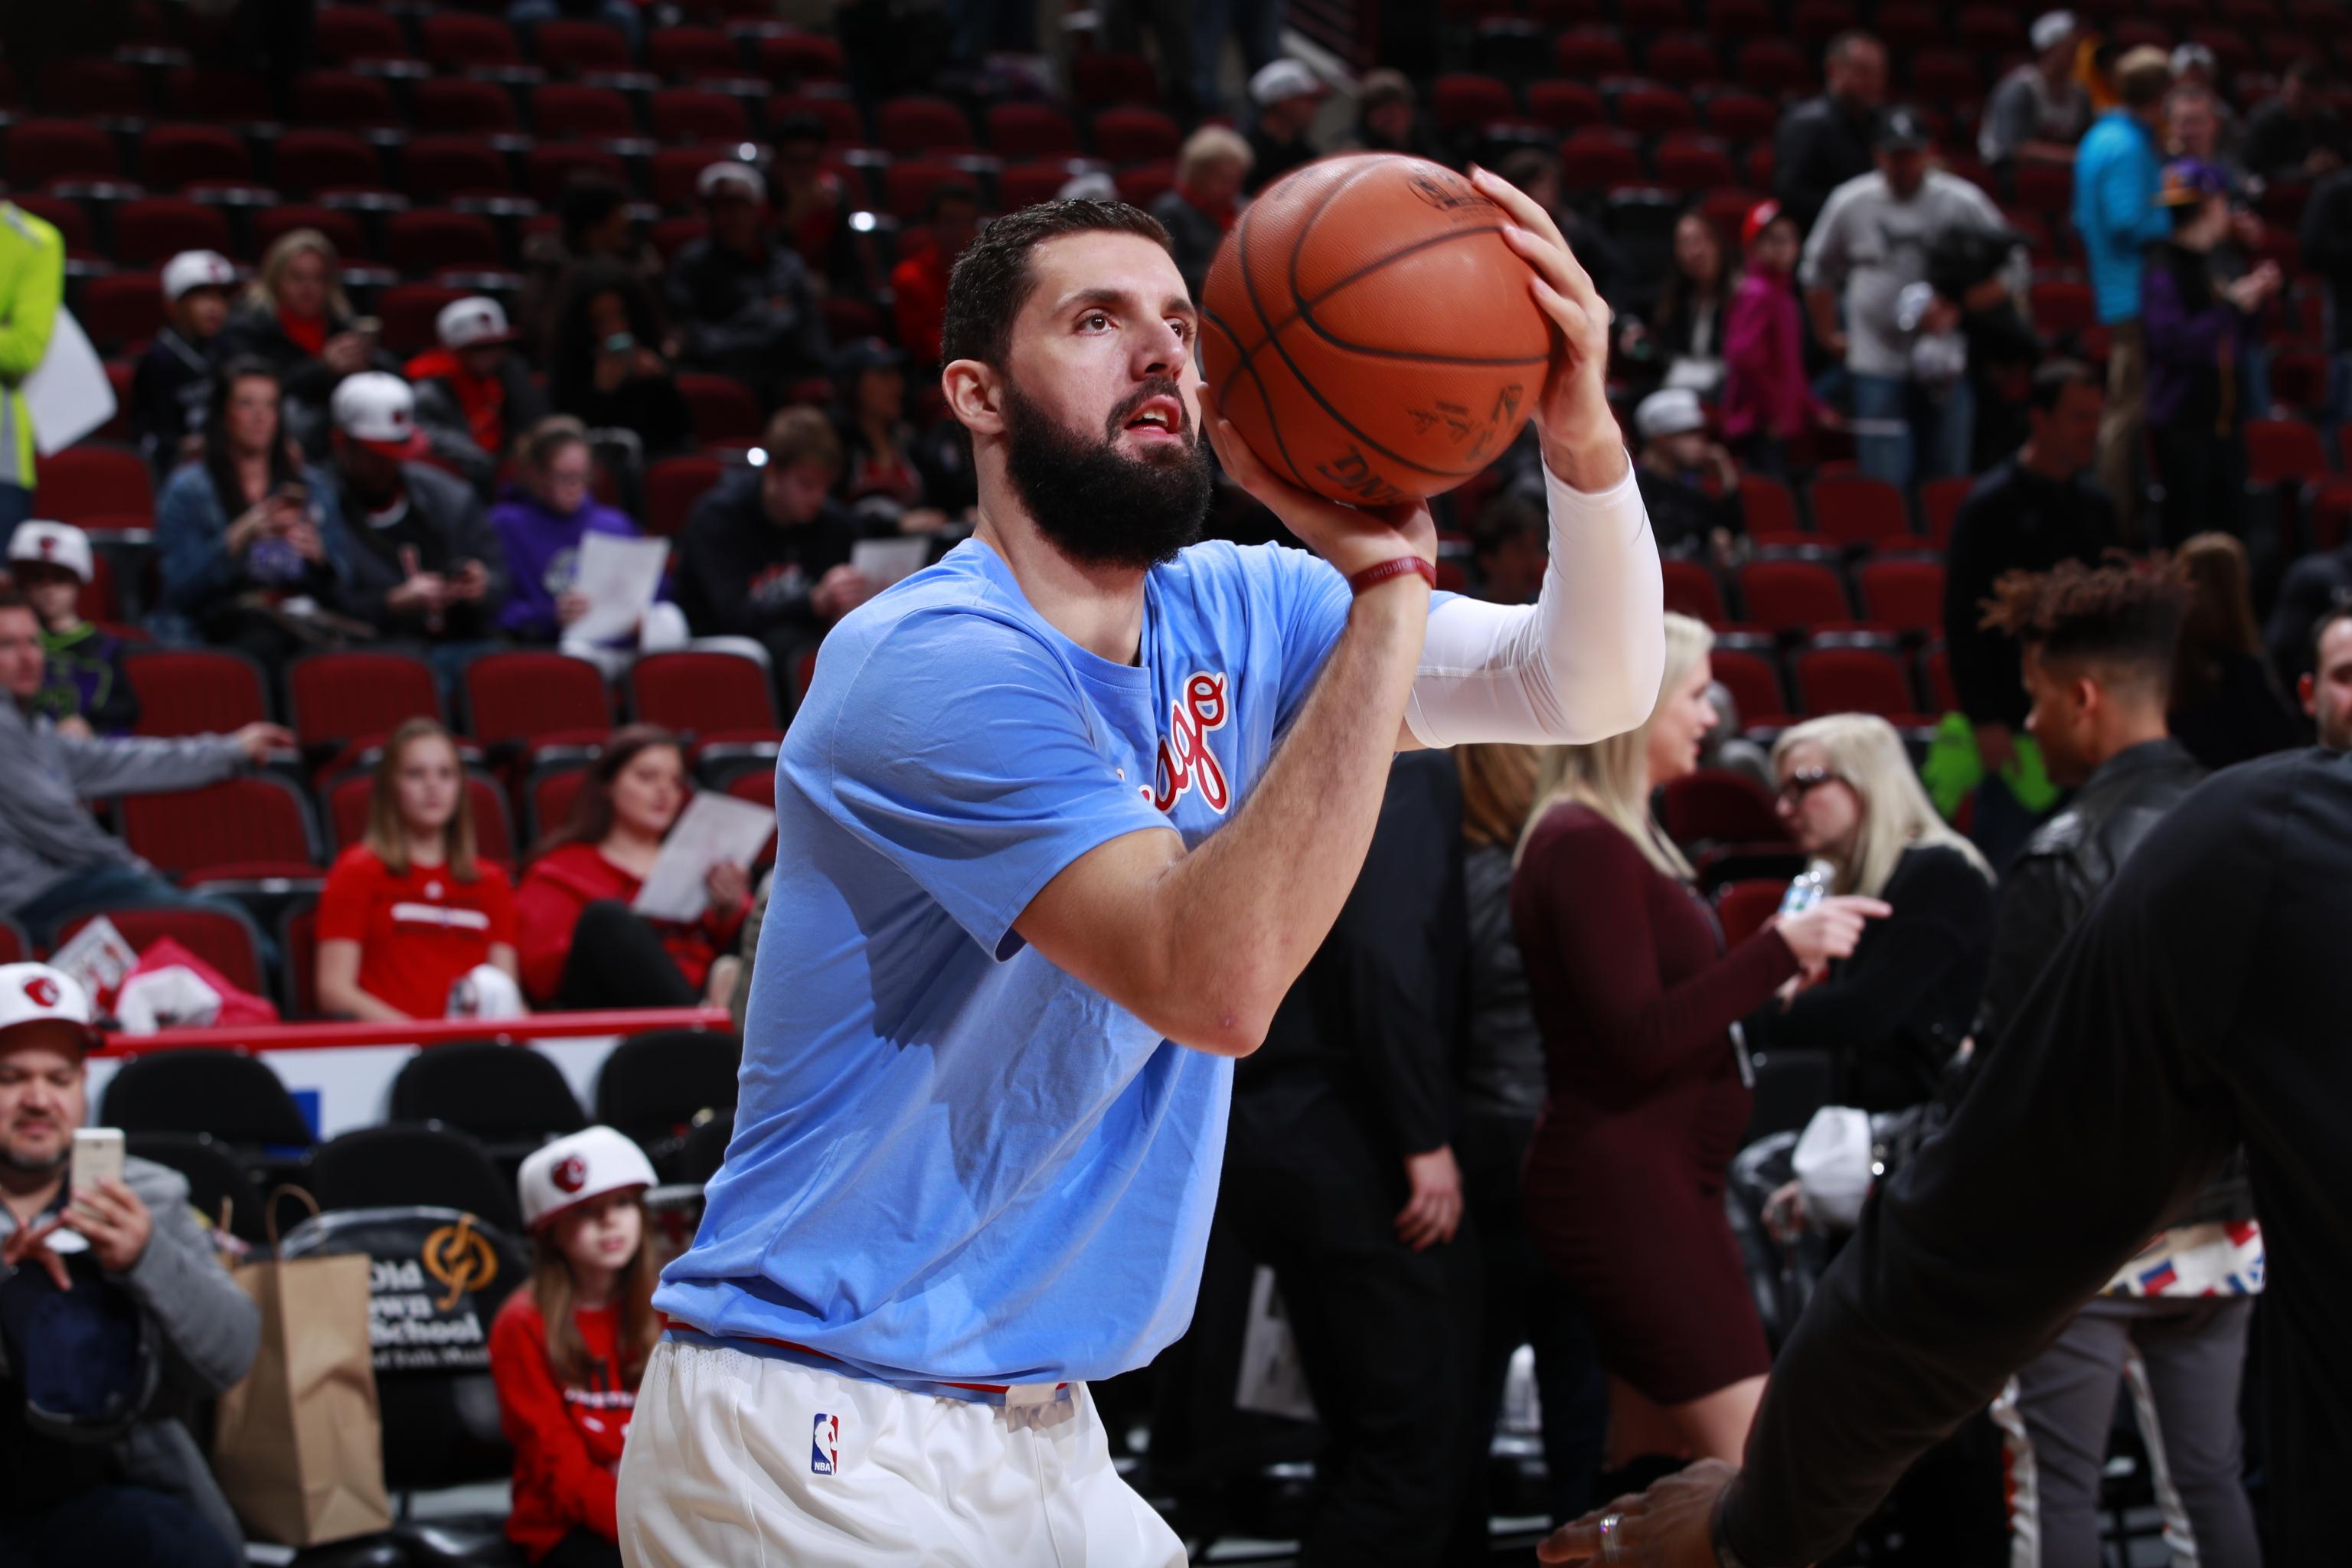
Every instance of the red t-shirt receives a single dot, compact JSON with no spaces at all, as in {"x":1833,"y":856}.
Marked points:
{"x":563,"y":882}
{"x":418,"y":933}
{"x":567,"y":1440}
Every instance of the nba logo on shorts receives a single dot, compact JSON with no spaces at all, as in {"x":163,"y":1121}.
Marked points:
{"x":825,"y":1451}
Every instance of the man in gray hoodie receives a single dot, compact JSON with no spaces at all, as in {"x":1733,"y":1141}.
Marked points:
{"x":97,"y":1462}
{"x":56,"y":862}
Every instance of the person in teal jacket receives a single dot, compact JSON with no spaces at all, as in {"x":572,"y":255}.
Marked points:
{"x":32,"y":282}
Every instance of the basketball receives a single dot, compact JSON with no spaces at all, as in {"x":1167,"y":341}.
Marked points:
{"x":1368,"y":331}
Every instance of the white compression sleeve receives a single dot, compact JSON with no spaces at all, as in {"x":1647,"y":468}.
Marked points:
{"x":1581,"y":663}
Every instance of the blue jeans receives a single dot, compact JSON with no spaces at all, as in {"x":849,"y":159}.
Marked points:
{"x":135,"y":1527}
{"x":1902,"y":432}
{"x":16,"y":506}
{"x":123,"y":887}
{"x":1259,"y":23}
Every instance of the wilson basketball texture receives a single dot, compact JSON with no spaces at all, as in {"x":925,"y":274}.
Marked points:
{"x":1369,"y":332}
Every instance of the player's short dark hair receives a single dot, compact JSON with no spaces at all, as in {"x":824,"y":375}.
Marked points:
{"x":2123,"y":617}
{"x":2337,"y":613}
{"x":992,"y":279}
{"x":2052,"y":380}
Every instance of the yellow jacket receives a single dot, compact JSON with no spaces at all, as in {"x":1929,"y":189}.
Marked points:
{"x":32,"y":280}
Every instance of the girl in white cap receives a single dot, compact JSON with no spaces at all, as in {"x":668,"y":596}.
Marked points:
{"x":568,"y":1351}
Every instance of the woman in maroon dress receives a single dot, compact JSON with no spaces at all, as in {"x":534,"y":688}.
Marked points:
{"x":1636,"y":998}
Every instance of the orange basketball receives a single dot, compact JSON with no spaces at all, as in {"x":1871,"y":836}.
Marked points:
{"x":1369,"y":332}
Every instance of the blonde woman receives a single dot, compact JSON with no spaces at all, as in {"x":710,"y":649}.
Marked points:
{"x":297,"y":318}
{"x":1635,"y":998}
{"x":1902,"y":1003}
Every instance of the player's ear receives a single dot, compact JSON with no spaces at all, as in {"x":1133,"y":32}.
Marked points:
{"x":975,"y":395}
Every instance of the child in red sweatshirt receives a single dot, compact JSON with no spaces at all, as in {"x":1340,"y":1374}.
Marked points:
{"x":1767,"y":402}
{"x":567,"y":1351}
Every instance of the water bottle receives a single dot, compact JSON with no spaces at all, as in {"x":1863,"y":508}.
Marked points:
{"x":1809,"y":886}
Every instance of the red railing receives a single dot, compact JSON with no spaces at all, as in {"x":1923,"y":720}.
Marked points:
{"x":423,"y":1031}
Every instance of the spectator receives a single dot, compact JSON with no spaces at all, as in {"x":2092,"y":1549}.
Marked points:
{"x":568,"y":1351}
{"x":1681,"y":345}
{"x":919,"y":284}
{"x":425,"y":564}
{"x":1502,"y":1089}
{"x":1767,"y":401}
{"x":297,"y":320}
{"x":2195,"y":331}
{"x":1287,"y":97}
{"x":540,"y":520}
{"x":892,"y":476}
{"x":1825,"y":141}
{"x":2037,"y":109}
{"x":1537,"y":172}
{"x":2228,"y":706}
{"x":2194,"y":123}
{"x":2296,"y":136}
{"x":32,"y":284}
{"x":114,"y":1345}
{"x":1200,"y":211}
{"x":1895,"y":1011}
{"x":1873,"y":253}
{"x":249,"y":541}
{"x":744,"y":305}
{"x":2035,"y":510}
{"x":603,"y":367}
{"x":56,"y":861}
{"x":2117,"y":174}
{"x":1385,"y":116}
{"x":2326,"y":247}
{"x":474,"y":393}
{"x":2314,"y":588}
{"x":1511,"y":546}
{"x":2099,"y":654}
{"x":811,"y":208}
{"x":85,"y":691}
{"x":593,"y":223}
{"x":582,"y":946}
{"x":1636,"y":1000}
{"x":2326,"y":688}
{"x":409,"y":911}
{"x":173,"y":380}
{"x":1689,"y":483}
{"x":2194,"y":70}
{"x":766,"y":553}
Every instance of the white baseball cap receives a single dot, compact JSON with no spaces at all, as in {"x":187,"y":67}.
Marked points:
{"x":379,"y":412}
{"x":2192,"y":56}
{"x":742,"y":177}
{"x":471,"y":323}
{"x":1278,"y":79}
{"x":2051,"y":28}
{"x":36,"y":993}
{"x":57,"y":543}
{"x":1672,"y":412}
{"x":575,"y":1170}
{"x":197,"y":269}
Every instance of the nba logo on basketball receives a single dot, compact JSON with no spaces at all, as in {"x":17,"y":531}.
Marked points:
{"x":824,"y":1446}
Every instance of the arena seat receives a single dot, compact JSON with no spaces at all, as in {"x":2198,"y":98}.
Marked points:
{"x":96,"y":481}
{"x":1590,"y":53}
{"x":1565,"y":105}
{"x":570,"y":112}
{"x":1030,"y":130}
{"x":409,"y":311}
{"x":654,"y":1087}
{"x":227,"y":1094}
{"x":339,"y":697}
{"x":35,"y":152}
{"x":1854,"y":680}
{"x":2327,"y":511}
{"x":705,"y":1149}
{"x":2061,"y":306}
{"x":715,"y":697}
{"x":791,"y":55}
{"x":1907,"y":595}
{"x":1739,"y":116}
{"x":1939,"y":502}
{"x":1720,"y":807}
{"x":1599,"y":160}
{"x":1650,"y":110}
{"x":672,"y":486}
{"x":434,"y":168}
{"x":1692,"y":590}
{"x":342,"y":99}
{"x":843,"y":127}
{"x":1100,"y":78}
{"x":2282,"y":451}
{"x":258,"y":823}
{"x":724,"y":409}
{"x":698,"y":114}
{"x":431,"y":239}
{"x":118,"y":310}
{"x":675,"y":171}
{"x":342,"y":33}
{"x":908,"y":185}
{"x":1754,"y":681}
{"x":1791,"y":595}
{"x":1141,"y":184}
{"x":527,"y":698}
{"x":920,"y":123}
{"x":1856,"y":509}
{"x":511,"y":1100}
{"x":1689,"y":60}
{"x":1690,"y":164}
{"x":1744,"y":907}
{"x":1136,"y":135}
{"x":298,"y":955}
{"x":1774,"y":67}
{"x":549,"y":165}
{"x":568,"y":46}
{"x":425,"y":1164}
{"x":690,"y":54}
{"x":1767,"y":505}
{"x":1464,"y":102}
{"x":1020,"y":185}
{"x":1946,"y":75}
{"x":309,"y":160}
{"x":93,"y":86}
{"x":68,"y":216}
{"x":196,"y":691}
{"x":445,"y":105}
{"x":218,"y":1186}
{"x":549,"y":795}
{"x":229,"y":941}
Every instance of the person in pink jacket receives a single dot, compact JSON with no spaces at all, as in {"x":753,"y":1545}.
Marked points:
{"x":1767,"y":401}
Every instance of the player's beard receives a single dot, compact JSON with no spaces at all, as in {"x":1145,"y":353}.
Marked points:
{"x":1099,"y":506}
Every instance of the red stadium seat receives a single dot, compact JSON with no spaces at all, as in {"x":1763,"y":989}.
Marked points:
{"x":1793,"y":595}
{"x":94,"y":481}
{"x":1716,"y":806}
{"x":37,"y":152}
{"x":222,"y":940}
{"x":2327,"y":512}
{"x":796,"y":56}
{"x":1904,"y":26}
{"x":1989,"y":30}
{"x":1653,"y":16}
{"x":564,"y":47}
{"x":1946,"y":75}
{"x":435,"y":168}
{"x":298,"y":950}
{"x":1742,"y":908}
{"x":1565,"y":105}
{"x":194,"y":691}
{"x":549,"y":796}
{"x":1692,"y":590}
{"x":2280,"y":451}
{"x":1136,"y":135}
{"x":672,"y":487}
{"x":723,"y":408}
{"x":1905,"y":595}
{"x":908,"y":185}
{"x":1814,"y":23}
{"x":551,"y":164}
{"x":837,"y":115}
{"x":1030,"y":130}
{"x":211,"y":92}
{"x":675,"y":169}
{"x":1692,"y":164}
{"x":569,"y":112}
{"x":1772,"y":66}
{"x":1939,"y":502}
{"x":711,"y":695}
{"x":410,"y":311}
{"x":1144,"y":183}
{"x":337,"y":698}
{"x":1020,"y":185}
{"x":1462,"y":101}
{"x":459,"y":41}
{"x":152,"y":231}
{"x":454,"y":105}
{"x":533,"y":699}
{"x":917,"y":123}
{"x":1740,"y":18}
{"x":1589,"y":54}
{"x":64,"y":214}
{"x":429,"y":239}
{"x":698,"y":115}
{"x":1754,"y":683}
{"x":1854,"y":680}
{"x":341,"y":99}
{"x":2062,"y":306}
{"x":347,"y":815}
{"x":306,"y":161}
{"x":117,"y":311}
{"x":346,"y":33}
{"x":1767,"y":505}
{"x":2043,"y":187}
{"x":1854,"y":508}
{"x":1656,"y":111}
{"x":2299,"y":377}
{"x":1739,"y":116}
{"x":93,"y":86}
{"x":691,"y":54}
{"x":1100,"y":78}
{"x":1599,"y":160}
{"x":1689,"y":60}
{"x":255,"y":822}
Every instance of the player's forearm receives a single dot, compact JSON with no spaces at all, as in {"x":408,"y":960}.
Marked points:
{"x":1241,"y":914}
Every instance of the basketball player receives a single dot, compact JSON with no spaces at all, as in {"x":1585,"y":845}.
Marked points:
{"x":1061,"y":819}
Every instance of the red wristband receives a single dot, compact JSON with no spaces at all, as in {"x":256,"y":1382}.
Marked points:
{"x":1371,"y":576}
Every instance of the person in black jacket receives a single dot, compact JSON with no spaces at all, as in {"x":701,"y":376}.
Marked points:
{"x":2185,"y":1016}
{"x":296,"y":318}
{"x":744,"y":303}
{"x":1691,"y":522}
{"x":1824,"y":142}
{"x":2228,"y":702}
{"x":1341,"y":1175}
{"x":605,"y":368}
{"x":1201,"y":208}
{"x":766,"y":553}
{"x":173,"y":380}
{"x":2098,"y":657}
{"x":1895,"y":1012}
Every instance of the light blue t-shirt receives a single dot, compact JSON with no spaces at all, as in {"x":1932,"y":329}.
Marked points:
{"x":952,"y":1161}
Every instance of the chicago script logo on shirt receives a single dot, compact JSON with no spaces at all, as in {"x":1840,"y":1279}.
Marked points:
{"x":1185,"y":761}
